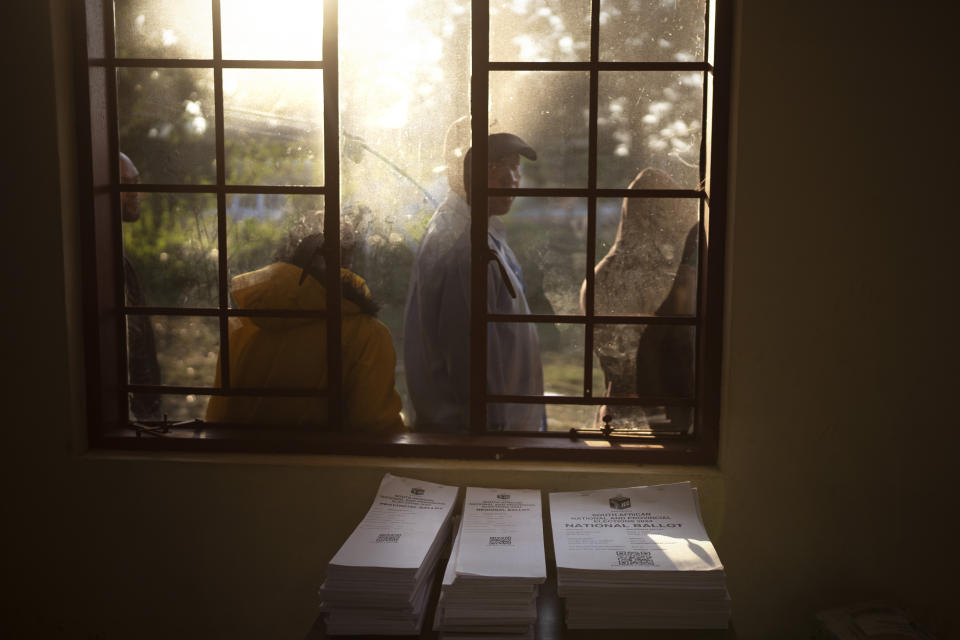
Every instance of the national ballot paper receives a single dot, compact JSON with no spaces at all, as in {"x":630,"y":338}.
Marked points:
{"x":379,"y":580}
{"x":637,"y":557}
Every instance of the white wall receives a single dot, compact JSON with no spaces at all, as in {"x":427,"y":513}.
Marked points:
{"x":837,"y":429}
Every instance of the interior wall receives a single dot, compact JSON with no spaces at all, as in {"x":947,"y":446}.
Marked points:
{"x":839,"y":435}
{"x":836,"y":429}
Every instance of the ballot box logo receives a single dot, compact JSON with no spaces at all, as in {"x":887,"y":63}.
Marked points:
{"x":503,"y":496}
{"x":619,"y":502}
{"x":417,"y":491}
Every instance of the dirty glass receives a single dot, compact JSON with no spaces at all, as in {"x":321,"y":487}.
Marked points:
{"x":651,"y":360}
{"x":652,"y":30}
{"x":278,"y":30}
{"x":404,"y":80}
{"x":548,"y":237}
{"x":540,"y":30}
{"x":264,"y":227}
{"x":170,"y":249}
{"x":649,"y":119}
{"x":175,"y":407}
{"x":273,"y":126}
{"x":549,"y":110}
{"x":166,"y":124}
{"x":646,"y":255}
{"x":164,"y":29}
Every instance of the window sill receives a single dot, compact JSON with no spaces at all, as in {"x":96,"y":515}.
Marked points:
{"x":552,"y":447}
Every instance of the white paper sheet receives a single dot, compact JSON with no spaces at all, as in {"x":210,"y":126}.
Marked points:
{"x":502,"y":535}
{"x":654,"y":528}
{"x":401,"y":525}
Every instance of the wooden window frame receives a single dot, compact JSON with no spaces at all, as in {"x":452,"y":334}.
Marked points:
{"x":104,"y":310}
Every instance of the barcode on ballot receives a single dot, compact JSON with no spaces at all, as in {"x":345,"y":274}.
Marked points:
{"x":508,"y":540}
{"x":634,"y":559}
{"x":388,"y":537}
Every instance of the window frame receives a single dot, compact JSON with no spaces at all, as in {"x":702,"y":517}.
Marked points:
{"x":104,"y":310}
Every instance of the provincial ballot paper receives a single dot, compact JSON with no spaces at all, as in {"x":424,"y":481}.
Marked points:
{"x":491,"y":582}
{"x":501,"y":535}
{"x":379,"y":580}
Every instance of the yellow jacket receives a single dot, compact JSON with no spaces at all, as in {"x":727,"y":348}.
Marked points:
{"x":291,"y":352}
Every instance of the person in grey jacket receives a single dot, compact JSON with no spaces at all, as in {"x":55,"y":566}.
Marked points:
{"x":437,"y":314}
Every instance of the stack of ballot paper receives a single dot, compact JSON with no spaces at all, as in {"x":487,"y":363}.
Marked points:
{"x":380,"y":579}
{"x":490,"y":584}
{"x":637,"y":558}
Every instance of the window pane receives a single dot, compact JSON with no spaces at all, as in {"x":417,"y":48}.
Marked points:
{"x":276,"y":353}
{"x":273,"y":120}
{"x":647,"y":254}
{"x":279,"y":30}
{"x":560,"y":356}
{"x":262,"y":228}
{"x":176,"y":407}
{"x":652,"y":360}
{"x":404,"y":79}
{"x":186,"y":350}
{"x":164,"y":29}
{"x":166,"y":124}
{"x":540,"y":30}
{"x":548,"y":237}
{"x":531,"y":359}
{"x":649,"y":119}
{"x":170,"y":249}
{"x":652,"y":420}
{"x":270,"y":412}
{"x":549,"y":110}
{"x":656,"y":360}
{"x":652,"y":30}
{"x":563,"y":417}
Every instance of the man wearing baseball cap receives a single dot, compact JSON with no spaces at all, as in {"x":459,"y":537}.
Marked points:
{"x":437,"y":315}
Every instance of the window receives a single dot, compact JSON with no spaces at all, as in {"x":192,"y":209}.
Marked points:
{"x":210,"y":131}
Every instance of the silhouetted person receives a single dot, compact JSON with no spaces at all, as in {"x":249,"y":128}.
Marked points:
{"x":141,"y":344}
{"x":275,"y":352}
{"x":437,"y":315}
{"x":665,"y":354}
{"x":635,"y":277}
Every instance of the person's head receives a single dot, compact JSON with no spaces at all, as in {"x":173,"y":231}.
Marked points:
{"x":310,"y":226}
{"x":503,"y":168}
{"x":455,"y":145}
{"x":129,"y":201}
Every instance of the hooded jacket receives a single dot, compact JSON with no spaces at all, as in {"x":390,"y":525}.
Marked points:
{"x":272,"y":352}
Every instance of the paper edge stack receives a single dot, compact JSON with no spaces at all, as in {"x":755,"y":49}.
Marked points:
{"x":362,"y":598}
{"x":619,"y":599}
{"x":469,"y":589}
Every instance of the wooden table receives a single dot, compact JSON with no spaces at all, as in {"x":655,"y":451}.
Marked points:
{"x":550,"y":623}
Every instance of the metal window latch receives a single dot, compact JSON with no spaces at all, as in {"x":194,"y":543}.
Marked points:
{"x":163,"y":429}
{"x":606,"y":430}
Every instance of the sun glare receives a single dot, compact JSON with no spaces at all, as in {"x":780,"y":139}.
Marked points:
{"x":280,"y":30}
{"x":381,"y":46}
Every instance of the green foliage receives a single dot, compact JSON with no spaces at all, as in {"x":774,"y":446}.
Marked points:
{"x":173,"y":249}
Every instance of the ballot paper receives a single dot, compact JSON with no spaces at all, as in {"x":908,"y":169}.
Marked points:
{"x":502,"y":535}
{"x":400,"y":526}
{"x":637,"y":557}
{"x":379,"y":581}
{"x":490,"y":585}
{"x":653,"y":528}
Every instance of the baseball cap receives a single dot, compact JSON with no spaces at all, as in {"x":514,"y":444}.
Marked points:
{"x":503,"y":144}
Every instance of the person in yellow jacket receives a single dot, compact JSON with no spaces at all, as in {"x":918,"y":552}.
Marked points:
{"x":272,"y":352}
